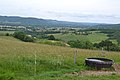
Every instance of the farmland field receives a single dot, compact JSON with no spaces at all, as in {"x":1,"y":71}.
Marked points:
{"x":4,"y":32}
{"x":17,"y":61}
{"x":95,"y":37}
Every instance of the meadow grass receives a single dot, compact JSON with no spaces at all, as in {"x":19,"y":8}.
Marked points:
{"x":95,"y":37}
{"x":106,"y":77}
{"x":51,"y":42}
{"x":4,"y":32}
{"x":17,"y":61}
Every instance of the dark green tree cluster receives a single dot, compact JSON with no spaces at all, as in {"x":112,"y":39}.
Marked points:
{"x":51,"y":37}
{"x":39,"y":35}
{"x":7,"y":34}
{"x":81,"y":44}
{"x":107,"y":45}
{"x":24,"y":37}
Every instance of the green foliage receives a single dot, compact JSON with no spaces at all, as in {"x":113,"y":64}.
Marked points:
{"x":51,"y":37}
{"x":114,"y":47}
{"x":40,"y":35}
{"x":81,"y":44}
{"x":117,"y":36}
{"x":107,"y":45}
{"x":24,"y":37}
{"x":7,"y":34}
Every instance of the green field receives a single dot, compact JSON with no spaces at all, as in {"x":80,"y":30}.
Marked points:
{"x":17,"y":61}
{"x":52,"y":42}
{"x":4,"y":32}
{"x":95,"y":37}
{"x":10,"y":32}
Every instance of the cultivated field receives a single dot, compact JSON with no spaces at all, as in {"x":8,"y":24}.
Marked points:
{"x":95,"y":37}
{"x":18,"y":59}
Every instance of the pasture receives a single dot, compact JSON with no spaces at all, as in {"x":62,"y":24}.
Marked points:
{"x":95,"y":37}
{"x":32,"y":61}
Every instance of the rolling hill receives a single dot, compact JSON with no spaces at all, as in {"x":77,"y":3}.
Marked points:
{"x":29,"y":21}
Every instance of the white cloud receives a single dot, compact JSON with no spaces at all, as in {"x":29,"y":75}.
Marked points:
{"x":70,"y":10}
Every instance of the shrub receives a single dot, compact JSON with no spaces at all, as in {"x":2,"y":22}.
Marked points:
{"x":51,"y":37}
{"x":7,"y":34}
{"x":107,"y":45}
{"x":81,"y":44}
{"x":24,"y":37}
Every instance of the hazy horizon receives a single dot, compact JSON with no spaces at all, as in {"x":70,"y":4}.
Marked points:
{"x":93,"y":11}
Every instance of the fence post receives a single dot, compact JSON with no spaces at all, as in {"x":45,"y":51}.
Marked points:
{"x":75,"y":54}
{"x":103,"y":54}
{"x":35,"y":63}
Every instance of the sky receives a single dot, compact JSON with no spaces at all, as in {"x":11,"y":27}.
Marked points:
{"x":94,"y":11}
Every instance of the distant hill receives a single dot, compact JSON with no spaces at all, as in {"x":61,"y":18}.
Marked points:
{"x":108,"y":26}
{"x":37,"y":22}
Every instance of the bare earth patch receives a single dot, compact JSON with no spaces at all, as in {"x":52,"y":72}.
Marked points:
{"x":99,"y":72}
{"x":117,"y":67}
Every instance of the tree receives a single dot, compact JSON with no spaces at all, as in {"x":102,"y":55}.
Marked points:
{"x":108,"y":45}
{"x":28,"y":39}
{"x":19,"y":35}
{"x":81,"y":44}
{"x":7,"y":34}
{"x":24,"y":37}
{"x":114,"y":48}
{"x":88,"y":45}
{"x":51,"y":37}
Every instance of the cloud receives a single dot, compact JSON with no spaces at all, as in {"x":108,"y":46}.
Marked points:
{"x":85,"y":17}
{"x":66,"y":10}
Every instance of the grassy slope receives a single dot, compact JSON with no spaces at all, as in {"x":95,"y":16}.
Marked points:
{"x":94,"y":37}
{"x":17,"y":60}
{"x":52,"y":42}
{"x":4,"y":32}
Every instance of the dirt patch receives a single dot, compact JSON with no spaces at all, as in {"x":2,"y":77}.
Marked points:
{"x":100,"y":72}
{"x":117,"y":67}
{"x":96,"y":73}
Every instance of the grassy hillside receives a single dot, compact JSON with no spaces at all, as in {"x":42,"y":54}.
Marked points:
{"x":94,"y":37}
{"x":5,"y":32}
{"x":17,"y":61}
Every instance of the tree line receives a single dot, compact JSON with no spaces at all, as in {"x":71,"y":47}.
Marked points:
{"x":106,"y":44}
{"x":31,"y":38}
